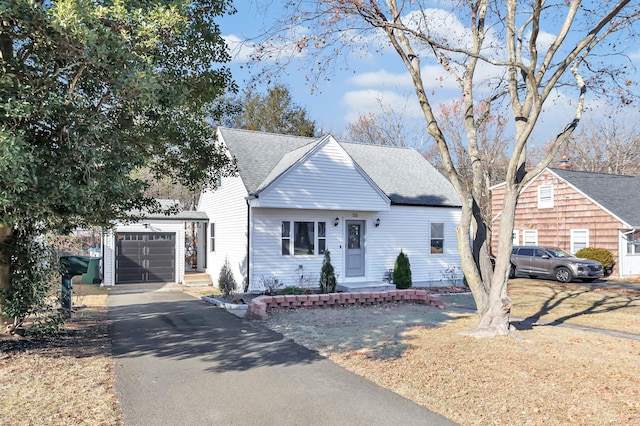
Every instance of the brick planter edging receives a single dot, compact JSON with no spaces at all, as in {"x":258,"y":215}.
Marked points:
{"x":263,"y":305}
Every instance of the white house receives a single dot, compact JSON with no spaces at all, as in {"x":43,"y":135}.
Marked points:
{"x":295,"y":197}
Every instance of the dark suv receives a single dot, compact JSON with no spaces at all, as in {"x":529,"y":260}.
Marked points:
{"x":554,"y":262}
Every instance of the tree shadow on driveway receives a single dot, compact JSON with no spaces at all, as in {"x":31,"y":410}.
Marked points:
{"x":187,"y":329}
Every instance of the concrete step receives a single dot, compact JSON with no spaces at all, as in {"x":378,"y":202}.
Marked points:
{"x":364,"y":287}
{"x":197,"y":279}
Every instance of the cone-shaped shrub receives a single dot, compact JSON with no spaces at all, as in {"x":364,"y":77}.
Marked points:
{"x":327,"y":275}
{"x":402,"y":272}
{"x":226,"y":281}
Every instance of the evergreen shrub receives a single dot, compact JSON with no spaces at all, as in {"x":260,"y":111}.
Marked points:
{"x":327,"y":275}
{"x":226,"y":281}
{"x":402,"y":272}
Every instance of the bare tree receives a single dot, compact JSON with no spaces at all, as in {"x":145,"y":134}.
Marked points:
{"x":515,"y":51}
{"x":387,"y":126}
{"x":609,"y":146}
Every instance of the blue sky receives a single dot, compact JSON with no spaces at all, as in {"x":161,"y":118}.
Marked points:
{"x":369,"y":79}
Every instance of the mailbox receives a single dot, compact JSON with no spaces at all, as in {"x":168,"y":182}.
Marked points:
{"x":71,"y":266}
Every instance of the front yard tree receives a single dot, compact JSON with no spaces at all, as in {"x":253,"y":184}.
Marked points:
{"x":520,"y":53}
{"x":90,"y":92}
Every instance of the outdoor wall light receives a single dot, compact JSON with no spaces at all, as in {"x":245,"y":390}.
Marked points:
{"x":336,"y":221}
{"x":377,"y":222}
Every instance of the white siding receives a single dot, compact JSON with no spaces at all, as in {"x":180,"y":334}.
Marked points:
{"x":227,"y":208}
{"x":108,"y":258}
{"x":402,"y":227}
{"x":629,"y":263}
{"x":319,"y":182}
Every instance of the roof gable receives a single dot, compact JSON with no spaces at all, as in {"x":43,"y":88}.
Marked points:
{"x":402,"y":174}
{"x":317,"y":181}
{"x":618,"y":194}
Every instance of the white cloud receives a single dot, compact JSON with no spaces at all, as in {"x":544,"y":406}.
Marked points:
{"x":240,"y":50}
{"x":362,"y":102}
{"x":382,"y":78}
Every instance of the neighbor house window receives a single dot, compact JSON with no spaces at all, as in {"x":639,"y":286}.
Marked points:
{"x":545,"y":196}
{"x":514,"y":238}
{"x":633,"y":242}
{"x":530,"y":237}
{"x":212,"y":237}
{"x":308,"y":238}
{"x":579,"y":239}
{"x":437,"y":238}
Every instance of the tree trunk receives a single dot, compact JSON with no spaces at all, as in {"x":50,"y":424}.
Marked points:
{"x":5,"y":272}
{"x":495,"y":310}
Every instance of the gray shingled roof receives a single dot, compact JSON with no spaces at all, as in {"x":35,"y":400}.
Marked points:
{"x":401,"y":173}
{"x":617,"y":193}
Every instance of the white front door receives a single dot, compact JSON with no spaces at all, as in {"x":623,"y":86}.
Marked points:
{"x":354,"y":252}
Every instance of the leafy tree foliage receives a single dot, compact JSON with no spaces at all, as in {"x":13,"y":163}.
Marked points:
{"x":90,"y":92}
{"x":273,"y":112}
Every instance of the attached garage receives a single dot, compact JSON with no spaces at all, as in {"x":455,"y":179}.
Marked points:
{"x":145,"y":257}
{"x":152,"y":250}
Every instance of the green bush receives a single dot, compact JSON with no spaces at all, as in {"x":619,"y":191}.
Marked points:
{"x":602,"y":255}
{"x":289,"y":290}
{"x":226,"y":281}
{"x":402,"y":272}
{"x":327,"y":275}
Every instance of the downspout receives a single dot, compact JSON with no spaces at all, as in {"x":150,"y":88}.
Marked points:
{"x":246,"y":285}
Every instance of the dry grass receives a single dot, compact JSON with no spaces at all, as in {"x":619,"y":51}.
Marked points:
{"x":67,"y":380}
{"x":540,"y":375}
{"x":546,"y":301}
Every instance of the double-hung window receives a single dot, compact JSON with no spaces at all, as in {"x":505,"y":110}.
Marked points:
{"x":530,"y":237}
{"x":437,"y":238}
{"x":545,"y":196}
{"x":579,"y":239}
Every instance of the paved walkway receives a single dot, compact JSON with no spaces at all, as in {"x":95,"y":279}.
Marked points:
{"x":180,"y":361}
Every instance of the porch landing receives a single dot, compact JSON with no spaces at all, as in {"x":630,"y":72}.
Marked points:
{"x":364,"y":287}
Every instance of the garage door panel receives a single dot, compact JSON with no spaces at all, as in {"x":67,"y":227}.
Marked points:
{"x":161,"y":251}
{"x":145,"y":257}
{"x":160,"y":263}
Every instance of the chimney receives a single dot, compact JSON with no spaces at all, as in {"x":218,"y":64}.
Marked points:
{"x":565,"y":164}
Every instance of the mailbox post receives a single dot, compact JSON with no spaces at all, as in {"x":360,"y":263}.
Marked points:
{"x":71,"y":266}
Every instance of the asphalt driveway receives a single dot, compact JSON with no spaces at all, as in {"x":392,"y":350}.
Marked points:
{"x":180,"y":361}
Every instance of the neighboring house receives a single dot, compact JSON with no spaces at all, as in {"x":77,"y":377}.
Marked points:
{"x":155,"y":250}
{"x":574,"y":209}
{"x":295,"y":197}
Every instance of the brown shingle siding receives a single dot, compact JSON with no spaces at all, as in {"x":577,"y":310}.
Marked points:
{"x":571,"y":211}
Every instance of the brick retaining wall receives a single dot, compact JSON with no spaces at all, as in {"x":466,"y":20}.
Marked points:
{"x":263,"y":305}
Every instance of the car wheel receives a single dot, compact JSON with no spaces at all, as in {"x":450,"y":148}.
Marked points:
{"x":563,"y":275}
{"x":512,"y":272}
